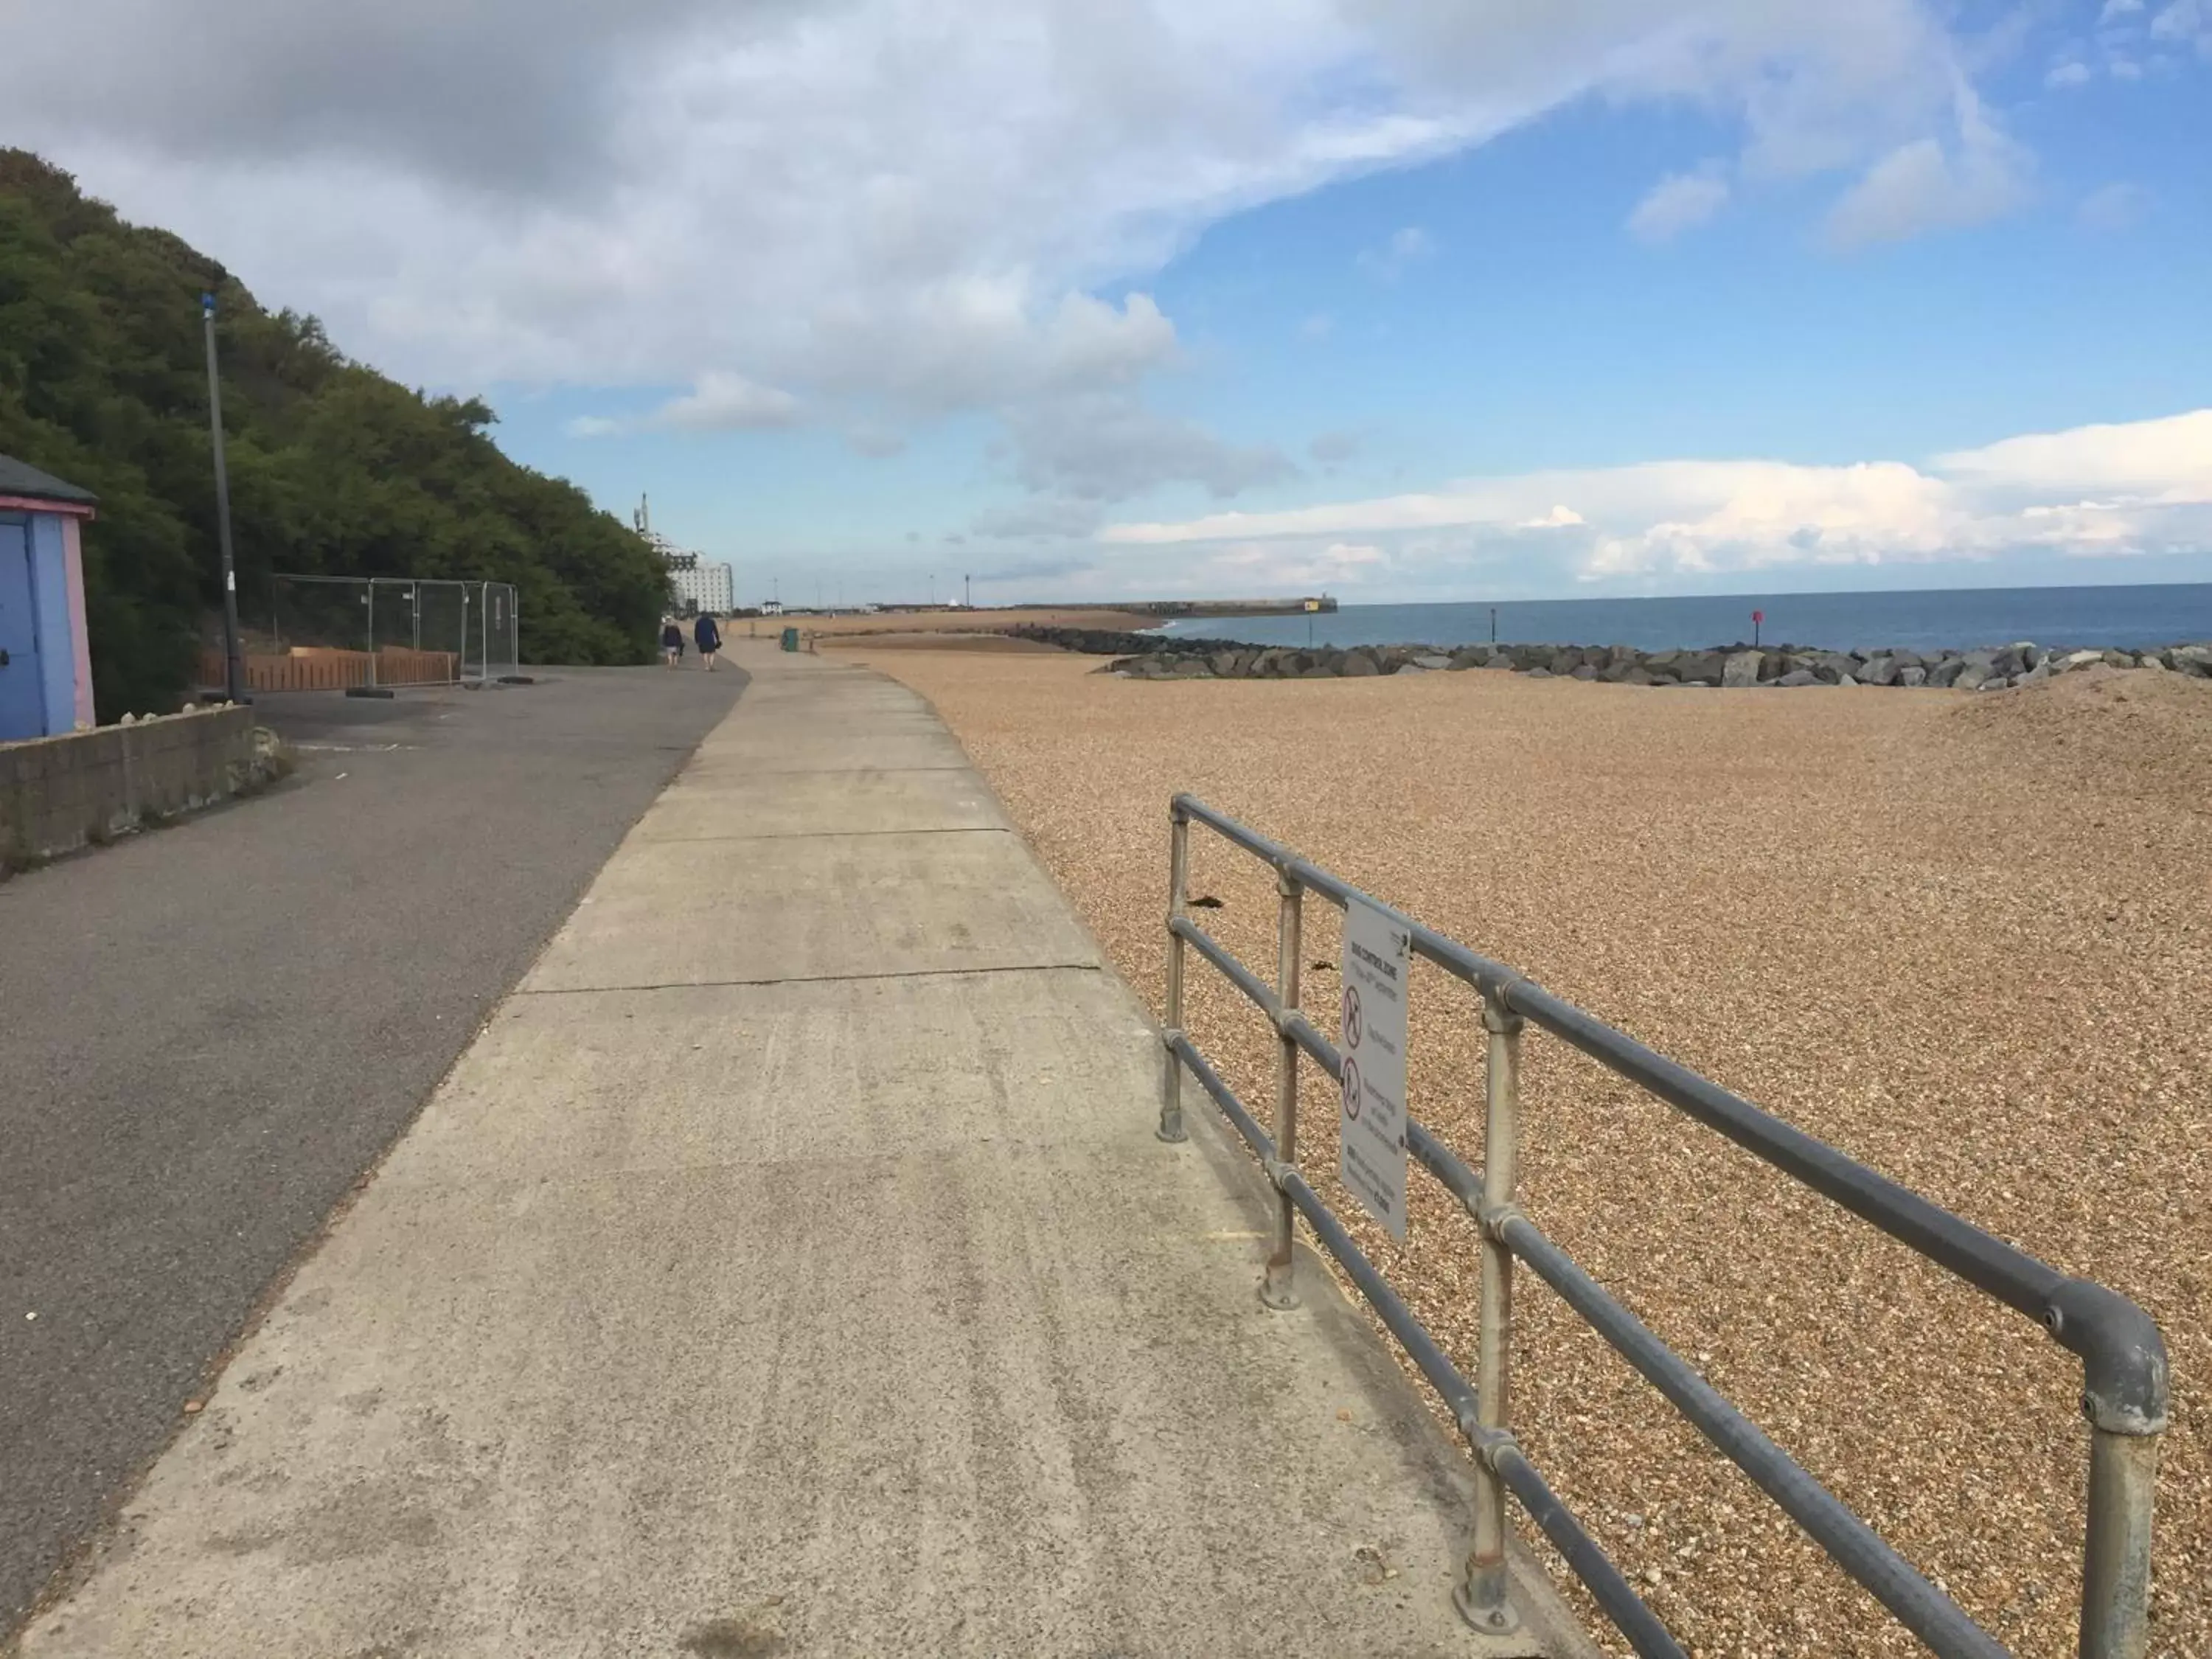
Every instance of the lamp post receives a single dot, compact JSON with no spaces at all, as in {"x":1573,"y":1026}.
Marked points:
{"x":233,"y":666}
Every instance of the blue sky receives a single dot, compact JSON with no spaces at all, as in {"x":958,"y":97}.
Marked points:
{"x":1401,"y":300}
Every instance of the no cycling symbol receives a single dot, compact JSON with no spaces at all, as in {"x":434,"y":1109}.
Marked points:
{"x":1352,"y":1029}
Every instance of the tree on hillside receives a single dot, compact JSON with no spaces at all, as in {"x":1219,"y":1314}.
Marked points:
{"x":334,"y":468}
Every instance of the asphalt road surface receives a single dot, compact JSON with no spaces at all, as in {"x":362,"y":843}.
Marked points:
{"x":208,"y":1032}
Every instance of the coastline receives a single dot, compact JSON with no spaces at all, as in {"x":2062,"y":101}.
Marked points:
{"x":1962,"y":938}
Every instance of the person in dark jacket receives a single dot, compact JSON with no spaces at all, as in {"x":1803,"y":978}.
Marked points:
{"x":671,"y":641}
{"x":709,"y":638}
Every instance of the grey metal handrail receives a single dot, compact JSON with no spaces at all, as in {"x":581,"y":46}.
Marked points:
{"x":2124,"y":1390}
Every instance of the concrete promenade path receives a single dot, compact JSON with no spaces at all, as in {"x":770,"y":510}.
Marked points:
{"x":789,"y":1267}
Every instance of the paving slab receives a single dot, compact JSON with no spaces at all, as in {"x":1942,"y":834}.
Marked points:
{"x":874,"y":800}
{"x":856,"y":1312}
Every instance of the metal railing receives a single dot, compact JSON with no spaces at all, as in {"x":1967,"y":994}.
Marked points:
{"x":2124,"y":1358}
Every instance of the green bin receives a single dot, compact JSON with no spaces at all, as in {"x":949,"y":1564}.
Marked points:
{"x":791,"y":638}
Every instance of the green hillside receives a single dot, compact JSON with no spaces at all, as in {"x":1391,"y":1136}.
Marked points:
{"x":334,"y":470}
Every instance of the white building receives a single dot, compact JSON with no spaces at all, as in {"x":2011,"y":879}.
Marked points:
{"x":694,"y":583}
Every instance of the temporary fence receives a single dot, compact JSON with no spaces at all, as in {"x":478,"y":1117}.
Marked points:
{"x":2125,"y":1383}
{"x":332,"y":633}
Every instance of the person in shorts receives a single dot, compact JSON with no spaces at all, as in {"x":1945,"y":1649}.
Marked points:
{"x":671,"y":642}
{"x":708,"y":634}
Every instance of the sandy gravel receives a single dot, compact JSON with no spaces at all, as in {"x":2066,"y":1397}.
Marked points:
{"x":1968,"y":939}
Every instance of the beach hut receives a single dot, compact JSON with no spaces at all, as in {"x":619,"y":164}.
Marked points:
{"x":45,"y":658}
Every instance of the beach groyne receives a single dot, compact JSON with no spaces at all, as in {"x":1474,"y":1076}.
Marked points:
{"x":1140,"y":656}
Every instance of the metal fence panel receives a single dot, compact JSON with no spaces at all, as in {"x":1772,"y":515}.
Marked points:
{"x":503,"y":631}
{"x":332,"y":633}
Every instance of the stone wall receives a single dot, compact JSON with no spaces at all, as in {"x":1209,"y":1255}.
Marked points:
{"x":57,"y":795}
{"x":1737,"y":666}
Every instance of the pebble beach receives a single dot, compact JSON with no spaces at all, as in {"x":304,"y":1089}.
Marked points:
{"x":1965,"y":937}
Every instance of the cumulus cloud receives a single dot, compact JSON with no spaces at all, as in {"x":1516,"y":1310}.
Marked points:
{"x":1678,"y":203}
{"x":723,"y":402}
{"x":2141,"y":487}
{"x":2185,"y":22}
{"x":846,"y":211}
{"x":720,"y":402}
{"x":1935,"y":184}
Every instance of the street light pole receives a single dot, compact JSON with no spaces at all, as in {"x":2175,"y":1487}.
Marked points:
{"x":233,"y":666}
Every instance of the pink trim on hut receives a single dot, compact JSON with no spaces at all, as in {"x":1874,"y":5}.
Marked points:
{"x":39,"y":504}
{"x":80,"y":636}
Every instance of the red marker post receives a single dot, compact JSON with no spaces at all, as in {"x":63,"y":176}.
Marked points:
{"x":1757,"y":618}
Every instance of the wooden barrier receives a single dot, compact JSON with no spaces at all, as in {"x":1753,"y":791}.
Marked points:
{"x":319,"y":668}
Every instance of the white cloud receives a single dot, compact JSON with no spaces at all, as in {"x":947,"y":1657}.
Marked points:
{"x":723,"y":402}
{"x":1404,"y":247}
{"x":1318,"y":326}
{"x":1678,"y":203}
{"x":2114,"y":207}
{"x":2185,"y":22}
{"x":2169,"y":460}
{"x":2116,"y":9}
{"x":849,"y":211}
{"x":1333,"y":448}
{"x":2071,"y":73}
{"x":2143,"y":487}
{"x":1929,"y":184}
{"x":720,"y":402}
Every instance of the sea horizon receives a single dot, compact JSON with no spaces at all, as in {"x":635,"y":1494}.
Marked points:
{"x":2119,"y":616}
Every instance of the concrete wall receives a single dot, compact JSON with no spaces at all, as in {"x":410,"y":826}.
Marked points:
{"x":58,"y":794}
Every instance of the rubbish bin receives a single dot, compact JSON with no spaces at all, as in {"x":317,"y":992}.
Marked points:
{"x":791,"y":638}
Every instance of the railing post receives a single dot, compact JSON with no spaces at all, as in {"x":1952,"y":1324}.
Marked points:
{"x":2116,"y":1558}
{"x":1278,"y":1289}
{"x":1171,"y":1128}
{"x":1483,"y":1600}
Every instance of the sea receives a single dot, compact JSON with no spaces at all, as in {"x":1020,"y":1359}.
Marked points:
{"x":2059,"y":619}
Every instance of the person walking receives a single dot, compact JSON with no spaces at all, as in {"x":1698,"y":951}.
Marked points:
{"x":671,"y":642}
{"x":709,"y":638}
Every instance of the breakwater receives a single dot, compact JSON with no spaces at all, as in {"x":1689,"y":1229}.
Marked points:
{"x":1142,"y":656}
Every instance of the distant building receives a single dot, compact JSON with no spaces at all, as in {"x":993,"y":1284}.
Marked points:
{"x":694,"y":583}
{"x":46,"y":654}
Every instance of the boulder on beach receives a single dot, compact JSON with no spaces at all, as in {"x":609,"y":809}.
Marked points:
{"x":1743,"y":669}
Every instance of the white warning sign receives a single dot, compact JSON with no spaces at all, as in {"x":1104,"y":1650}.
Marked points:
{"x":1378,"y":958}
